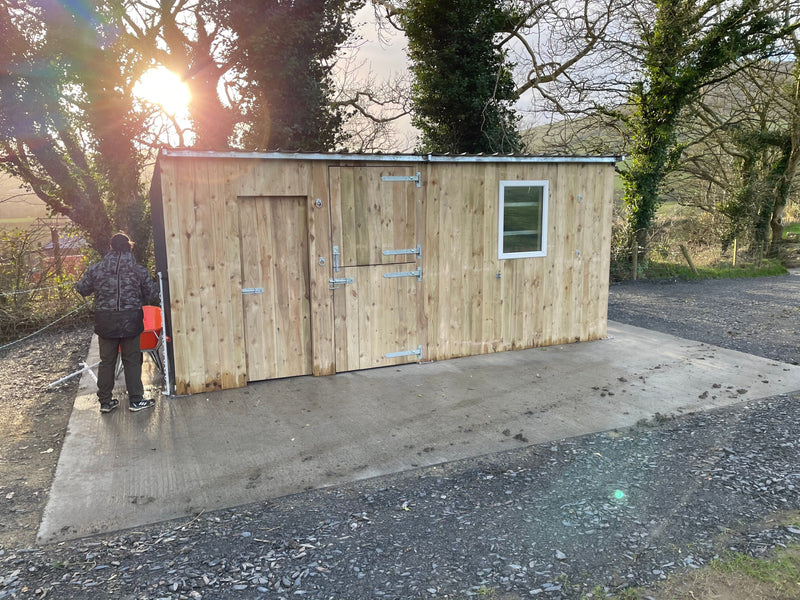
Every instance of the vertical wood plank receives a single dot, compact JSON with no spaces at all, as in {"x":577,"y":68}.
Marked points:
{"x":252,"y":276}
{"x":347,"y":213}
{"x":492,"y":286}
{"x":363,"y":190}
{"x":431,"y":262}
{"x":293,"y":318}
{"x":192,"y":354}
{"x":603,"y":204}
{"x":547,"y":305}
{"x":342,"y":227}
{"x":581,"y":298}
{"x":354,"y":324}
{"x":419,"y":232}
{"x":172,"y":190}
{"x":208,"y":214}
{"x":234,"y":357}
{"x":320,"y":272}
{"x":448,"y":280}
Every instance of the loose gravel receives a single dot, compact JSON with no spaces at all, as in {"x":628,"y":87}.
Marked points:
{"x":558,"y":521}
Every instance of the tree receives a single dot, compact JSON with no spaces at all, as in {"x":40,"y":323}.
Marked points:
{"x":463,"y":87}
{"x":371,"y":107}
{"x":559,"y":56}
{"x":75,"y":134}
{"x":63,"y":89}
{"x":687,"y":46}
{"x":189,"y":39}
{"x":747,"y":132}
{"x":286,"y":56}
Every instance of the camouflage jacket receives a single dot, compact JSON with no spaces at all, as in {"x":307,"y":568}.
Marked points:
{"x":120,"y":287}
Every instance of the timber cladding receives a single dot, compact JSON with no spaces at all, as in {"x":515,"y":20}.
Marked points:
{"x":282,"y":265}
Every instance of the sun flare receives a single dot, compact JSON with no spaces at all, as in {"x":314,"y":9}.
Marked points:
{"x":163,"y":87}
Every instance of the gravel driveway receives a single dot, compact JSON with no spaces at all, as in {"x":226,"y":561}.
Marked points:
{"x":561,"y":520}
{"x":758,"y":316}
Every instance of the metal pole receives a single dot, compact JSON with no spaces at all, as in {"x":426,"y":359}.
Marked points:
{"x":71,"y":375}
{"x":166,"y":391}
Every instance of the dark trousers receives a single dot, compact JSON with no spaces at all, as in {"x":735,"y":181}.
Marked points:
{"x":131,"y":363}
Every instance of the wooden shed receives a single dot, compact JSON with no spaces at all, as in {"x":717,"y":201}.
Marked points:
{"x":278,"y":264}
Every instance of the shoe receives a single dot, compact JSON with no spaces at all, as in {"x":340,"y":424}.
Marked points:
{"x":107,"y":407}
{"x":137,"y":405}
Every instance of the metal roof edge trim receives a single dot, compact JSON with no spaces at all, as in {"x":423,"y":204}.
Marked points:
{"x":474,"y":158}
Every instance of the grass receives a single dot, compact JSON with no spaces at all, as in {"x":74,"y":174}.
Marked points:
{"x":679,"y":229}
{"x":791,"y":229}
{"x":16,"y":222}
{"x":781,"y":572}
{"x":670,"y":270}
{"x":734,"y":576}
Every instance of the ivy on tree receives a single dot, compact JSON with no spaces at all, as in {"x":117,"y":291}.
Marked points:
{"x":286,"y":51}
{"x":686,"y":48}
{"x":463,"y":87}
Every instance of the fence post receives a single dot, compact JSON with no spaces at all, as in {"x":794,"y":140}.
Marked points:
{"x":688,"y":258}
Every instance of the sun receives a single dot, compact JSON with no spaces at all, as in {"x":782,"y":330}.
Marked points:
{"x":163,"y":87}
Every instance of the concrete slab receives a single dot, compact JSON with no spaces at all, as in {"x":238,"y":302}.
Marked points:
{"x":206,"y":452}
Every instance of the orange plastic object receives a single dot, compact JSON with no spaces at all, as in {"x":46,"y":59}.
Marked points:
{"x":152,"y":328}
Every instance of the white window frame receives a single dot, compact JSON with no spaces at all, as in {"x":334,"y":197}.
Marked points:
{"x":545,"y":185}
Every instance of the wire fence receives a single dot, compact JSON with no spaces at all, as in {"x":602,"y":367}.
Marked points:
{"x":42,"y":311}
{"x":37,"y":290}
{"x":73,"y":317}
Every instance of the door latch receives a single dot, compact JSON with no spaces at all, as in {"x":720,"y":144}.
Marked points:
{"x":337,"y":281}
{"x":416,"y":178}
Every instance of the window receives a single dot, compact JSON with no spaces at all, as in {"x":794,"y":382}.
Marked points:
{"x":523,"y":219}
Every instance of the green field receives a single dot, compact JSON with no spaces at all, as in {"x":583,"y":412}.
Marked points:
{"x":791,"y":229}
{"x":18,"y":206}
{"x":16,"y":222}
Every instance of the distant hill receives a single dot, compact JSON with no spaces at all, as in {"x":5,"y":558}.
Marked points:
{"x":16,"y":203}
{"x":577,"y":137}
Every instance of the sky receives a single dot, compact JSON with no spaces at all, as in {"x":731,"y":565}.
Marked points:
{"x":384,"y":57}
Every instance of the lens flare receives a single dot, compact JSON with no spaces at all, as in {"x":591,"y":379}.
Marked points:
{"x":163,"y":87}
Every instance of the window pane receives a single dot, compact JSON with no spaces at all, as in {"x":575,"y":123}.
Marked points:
{"x":522,"y":219}
{"x":521,"y":243}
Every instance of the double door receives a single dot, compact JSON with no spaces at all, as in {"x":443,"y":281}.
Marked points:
{"x":376,"y":232}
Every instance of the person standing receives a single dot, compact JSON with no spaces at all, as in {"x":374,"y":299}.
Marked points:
{"x":120,"y":287}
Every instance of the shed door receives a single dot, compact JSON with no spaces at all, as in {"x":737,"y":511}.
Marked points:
{"x":275,"y":286}
{"x":376,"y":240}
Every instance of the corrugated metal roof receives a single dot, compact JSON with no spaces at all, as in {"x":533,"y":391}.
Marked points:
{"x":379,"y":157}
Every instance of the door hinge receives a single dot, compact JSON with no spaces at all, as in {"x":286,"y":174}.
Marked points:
{"x":417,"y":352}
{"x":416,"y":251}
{"x":256,"y":290}
{"x":417,"y":274}
{"x":337,"y":281}
{"x":417,"y":178}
